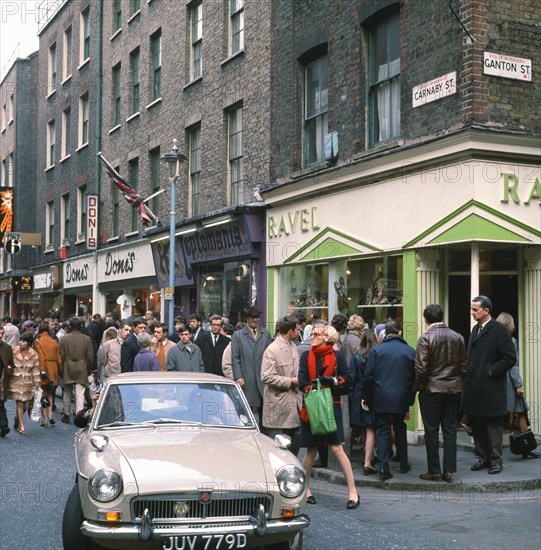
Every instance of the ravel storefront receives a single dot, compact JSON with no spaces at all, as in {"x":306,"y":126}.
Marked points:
{"x":393,"y":234}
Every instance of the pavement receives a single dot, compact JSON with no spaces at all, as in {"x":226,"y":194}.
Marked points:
{"x":517,"y":474}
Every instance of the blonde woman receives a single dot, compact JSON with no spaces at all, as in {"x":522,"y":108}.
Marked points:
{"x":24,"y":378}
{"x":351,"y":342}
{"x":327,"y":365}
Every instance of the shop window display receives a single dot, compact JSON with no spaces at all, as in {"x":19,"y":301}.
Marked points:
{"x":305,"y":288}
{"x":374,"y":288}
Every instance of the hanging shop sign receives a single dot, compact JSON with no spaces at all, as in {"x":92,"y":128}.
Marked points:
{"x":92,"y":205}
{"x":507,"y":66}
{"x":46,"y":281}
{"x":433,"y":90}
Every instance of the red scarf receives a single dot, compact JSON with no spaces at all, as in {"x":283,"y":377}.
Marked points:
{"x":329,"y":361}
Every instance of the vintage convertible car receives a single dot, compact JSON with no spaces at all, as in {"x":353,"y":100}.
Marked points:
{"x":176,"y":461}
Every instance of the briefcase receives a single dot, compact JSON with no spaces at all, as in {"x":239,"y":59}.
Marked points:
{"x":522,"y":443}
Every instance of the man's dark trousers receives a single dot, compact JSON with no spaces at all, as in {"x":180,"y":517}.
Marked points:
{"x":436,"y":409}
{"x":488,"y":437}
{"x":385,"y":420}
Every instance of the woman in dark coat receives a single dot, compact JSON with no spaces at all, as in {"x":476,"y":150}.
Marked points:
{"x":360,"y":418}
{"x":329,"y":366}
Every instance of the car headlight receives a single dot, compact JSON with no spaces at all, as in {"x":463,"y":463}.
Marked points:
{"x":291,"y":481}
{"x":105,"y":485}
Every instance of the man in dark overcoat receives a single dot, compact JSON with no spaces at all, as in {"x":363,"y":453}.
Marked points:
{"x":130,"y":347}
{"x":491,"y":354}
{"x":77,"y":352}
{"x":388,"y":390}
{"x":247,"y":348}
{"x":6,"y":366}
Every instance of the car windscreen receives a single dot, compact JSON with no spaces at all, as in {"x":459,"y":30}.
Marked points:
{"x":153,"y":402}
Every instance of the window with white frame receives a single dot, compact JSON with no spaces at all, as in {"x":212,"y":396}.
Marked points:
{"x":196,"y":36}
{"x":11,"y":108}
{"x":384,"y":79}
{"x":236,"y":26}
{"x":83,"y":119}
{"x":133,"y":180}
{"x":3,"y":175}
{"x":194,"y":143}
{"x":115,"y":95}
{"x":81,"y":213}
{"x":84,"y":43}
{"x":155,"y":65}
{"x":4,"y":116}
{"x":51,"y":143}
{"x":154,"y":158}
{"x":315,"y":110}
{"x":65,"y":220}
{"x":52,"y":69}
{"x":235,"y":156}
{"x":135,"y":6}
{"x":135,"y":80}
{"x":49,"y":224}
{"x":66,"y":54}
{"x":66,"y":132}
{"x":117,"y":15}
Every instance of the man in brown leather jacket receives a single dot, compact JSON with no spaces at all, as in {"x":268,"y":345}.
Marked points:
{"x":440,"y":368}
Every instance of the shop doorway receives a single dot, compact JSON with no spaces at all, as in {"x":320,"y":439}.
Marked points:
{"x":502,"y":289}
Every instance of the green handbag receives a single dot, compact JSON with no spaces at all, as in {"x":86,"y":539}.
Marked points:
{"x":319,"y":407}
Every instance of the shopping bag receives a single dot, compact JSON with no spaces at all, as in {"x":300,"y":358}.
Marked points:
{"x":319,"y":406}
{"x":35,"y":411}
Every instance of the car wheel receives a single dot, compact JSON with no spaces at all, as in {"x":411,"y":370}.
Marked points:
{"x":72,"y":537}
{"x":292,"y":544}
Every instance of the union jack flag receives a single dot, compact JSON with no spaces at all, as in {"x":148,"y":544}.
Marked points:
{"x":131,"y":195}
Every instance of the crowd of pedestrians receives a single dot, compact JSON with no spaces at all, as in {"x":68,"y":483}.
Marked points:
{"x":376,"y":370}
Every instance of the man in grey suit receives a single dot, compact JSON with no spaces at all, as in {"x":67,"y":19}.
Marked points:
{"x":185,"y":356}
{"x":247,"y":348}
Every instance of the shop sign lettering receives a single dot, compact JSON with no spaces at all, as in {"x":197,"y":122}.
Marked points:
{"x":43,"y":281}
{"x":303,"y":220}
{"x":529,"y":190}
{"x":76,"y":274}
{"x":120,"y":266}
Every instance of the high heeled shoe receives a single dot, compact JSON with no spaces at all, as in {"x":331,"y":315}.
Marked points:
{"x":352,"y":504}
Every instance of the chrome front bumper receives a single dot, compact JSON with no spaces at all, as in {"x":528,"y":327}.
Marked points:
{"x":252,"y":528}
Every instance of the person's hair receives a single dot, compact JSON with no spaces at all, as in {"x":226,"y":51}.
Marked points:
{"x":433,"y":314}
{"x":123,"y":324}
{"x":96,"y":316}
{"x":6,"y":319}
{"x":152,"y":324}
{"x":330,"y":333}
{"x":139,"y":321}
{"x":27,"y":337}
{"x":286,"y":324}
{"x":196,"y":317}
{"x":186,"y":328}
{"x":369,"y":340}
{"x":485,"y":301}
{"x":76,"y":323}
{"x":392,"y":326}
{"x":239,"y":326}
{"x":15,"y":321}
{"x":339,"y":322}
{"x":110,"y":334}
{"x":506,"y":319}
{"x":180,"y":319}
{"x":44,"y":327}
{"x":356,"y":322}
{"x":301,"y":317}
{"x":143,"y":339}
{"x":228,"y":328}
{"x":163,"y":326}
{"x":110,"y":323}
{"x":216,"y":318}
{"x":314,"y":317}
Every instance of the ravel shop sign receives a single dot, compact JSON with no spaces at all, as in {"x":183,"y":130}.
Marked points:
{"x":207,"y":244}
{"x":125,"y":262}
{"x":78,"y":272}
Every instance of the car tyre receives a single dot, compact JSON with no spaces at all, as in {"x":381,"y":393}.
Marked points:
{"x":292,"y":544}
{"x":72,"y":537}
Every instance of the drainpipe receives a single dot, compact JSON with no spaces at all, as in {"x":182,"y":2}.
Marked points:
{"x":96,"y":297}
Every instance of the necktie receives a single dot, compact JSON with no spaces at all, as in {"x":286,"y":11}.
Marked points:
{"x":255,"y":333}
{"x":479,"y":331}
{"x":215,"y":340}
{"x":161,"y":356}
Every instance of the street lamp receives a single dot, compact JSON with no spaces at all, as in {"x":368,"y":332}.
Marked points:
{"x":173,"y":159}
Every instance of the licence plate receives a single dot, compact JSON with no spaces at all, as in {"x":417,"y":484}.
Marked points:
{"x":206,"y":542}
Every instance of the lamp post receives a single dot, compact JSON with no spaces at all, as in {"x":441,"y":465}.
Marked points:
{"x":173,"y":159}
